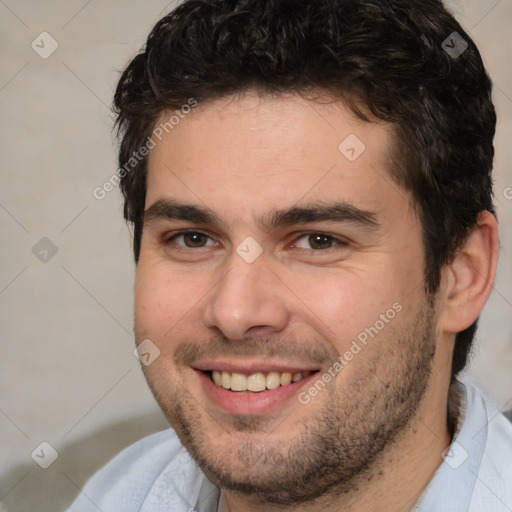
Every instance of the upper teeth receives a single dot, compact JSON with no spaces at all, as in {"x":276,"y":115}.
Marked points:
{"x":256,"y":381}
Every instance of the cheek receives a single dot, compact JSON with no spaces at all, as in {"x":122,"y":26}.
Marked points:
{"x":342,"y":304}
{"x":163,"y":301}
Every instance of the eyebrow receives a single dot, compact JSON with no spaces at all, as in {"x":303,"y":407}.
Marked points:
{"x":173,"y":210}
{"x":337,"y":212}
{"x":168,"y":209}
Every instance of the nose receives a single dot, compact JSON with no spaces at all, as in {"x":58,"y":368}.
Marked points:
{"x":248,"y":300}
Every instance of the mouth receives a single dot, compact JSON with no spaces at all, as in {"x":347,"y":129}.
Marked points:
{"x":256,"y":382}
{"x":252,"y":387}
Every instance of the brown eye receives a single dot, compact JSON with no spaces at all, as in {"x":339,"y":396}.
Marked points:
{"x":195,"y":239}
{"x":317,"y":241}
{"x":192,"y":239}
{"x":320,"y":241}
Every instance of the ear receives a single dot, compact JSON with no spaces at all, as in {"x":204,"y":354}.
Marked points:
{"x":470,"y":276}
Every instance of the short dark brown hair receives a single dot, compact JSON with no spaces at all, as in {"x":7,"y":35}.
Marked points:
{"x":405,"y":62}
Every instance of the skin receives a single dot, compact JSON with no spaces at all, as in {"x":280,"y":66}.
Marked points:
{"x":356,"y":444}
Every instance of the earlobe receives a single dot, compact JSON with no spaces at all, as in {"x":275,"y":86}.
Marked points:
{"x":470,"y":275}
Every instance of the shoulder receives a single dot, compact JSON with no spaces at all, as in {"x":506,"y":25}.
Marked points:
{"x":131,"y":477}
{"x":483,"y":414}
{"x":476,"y":473}
{"x":493,"y":484}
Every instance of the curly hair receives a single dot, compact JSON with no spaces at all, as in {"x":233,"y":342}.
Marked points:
{"x":387,"y":59}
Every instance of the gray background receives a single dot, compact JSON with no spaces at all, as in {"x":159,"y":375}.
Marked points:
{"x":68,"y":375}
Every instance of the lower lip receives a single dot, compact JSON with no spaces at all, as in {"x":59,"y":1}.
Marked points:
{"x":250,"y":403}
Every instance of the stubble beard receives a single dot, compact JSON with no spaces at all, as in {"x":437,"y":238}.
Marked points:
{"x":330,"y":450}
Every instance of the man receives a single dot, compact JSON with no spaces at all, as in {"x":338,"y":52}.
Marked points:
{"x":310,"y":189}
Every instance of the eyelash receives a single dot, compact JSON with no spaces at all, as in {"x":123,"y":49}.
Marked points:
{"x":172,"y":238}
{"x":330,"y":238}
{"x":336,"y":242}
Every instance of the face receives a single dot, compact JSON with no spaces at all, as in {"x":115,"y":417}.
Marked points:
{"x":281,"y":278}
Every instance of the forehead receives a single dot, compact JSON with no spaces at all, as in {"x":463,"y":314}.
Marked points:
{"x":252,"y":153}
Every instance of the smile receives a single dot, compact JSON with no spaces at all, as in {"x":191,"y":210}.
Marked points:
{"x":252,"y":387}
{"x":255,"y":382}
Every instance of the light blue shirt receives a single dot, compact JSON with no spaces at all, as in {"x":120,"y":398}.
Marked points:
{"x":156,"y":474}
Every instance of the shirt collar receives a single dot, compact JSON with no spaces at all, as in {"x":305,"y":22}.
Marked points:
{"x":457,"y":405}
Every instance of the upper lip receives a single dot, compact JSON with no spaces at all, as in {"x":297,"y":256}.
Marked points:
{"x":251,"y":367}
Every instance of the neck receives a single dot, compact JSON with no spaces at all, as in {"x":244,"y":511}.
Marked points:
{"x":398,"y":477}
